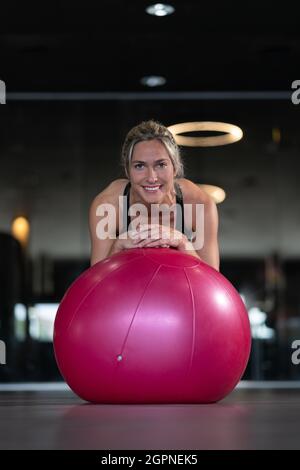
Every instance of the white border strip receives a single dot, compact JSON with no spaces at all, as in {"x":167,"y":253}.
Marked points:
{"x":269,"y":384}
{"x":34,"y":387}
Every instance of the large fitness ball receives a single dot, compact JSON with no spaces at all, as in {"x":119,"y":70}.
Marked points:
{"x":152,"y":326}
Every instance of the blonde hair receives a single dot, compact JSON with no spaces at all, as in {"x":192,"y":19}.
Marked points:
{"x":151,"y":130}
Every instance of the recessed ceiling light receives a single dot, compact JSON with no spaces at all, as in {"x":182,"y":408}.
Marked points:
{"x":153,"y":81}
{"x":160,"y":9}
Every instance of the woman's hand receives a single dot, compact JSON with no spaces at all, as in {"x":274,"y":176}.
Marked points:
{"x":126,"y":242}
{"x":129,"y":240}
{"x":155,"y":235}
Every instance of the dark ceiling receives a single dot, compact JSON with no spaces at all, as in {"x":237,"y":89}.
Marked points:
{"x":108,"y":45}
{"x":56,"y":156}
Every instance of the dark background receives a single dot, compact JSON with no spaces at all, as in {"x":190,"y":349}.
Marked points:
{"x":72,"y":73}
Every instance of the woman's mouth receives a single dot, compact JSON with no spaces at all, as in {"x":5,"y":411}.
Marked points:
{"x":152,"y":189}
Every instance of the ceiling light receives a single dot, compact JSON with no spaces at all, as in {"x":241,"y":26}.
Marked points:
{"x":153,"y":81}
{"x":160,"y":9}
{"x":215,"y":192}
{"x":232,"y":133}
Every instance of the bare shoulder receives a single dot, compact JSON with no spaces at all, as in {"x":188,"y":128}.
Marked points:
{"x":192,"y":193}
{"x":111,"y":193}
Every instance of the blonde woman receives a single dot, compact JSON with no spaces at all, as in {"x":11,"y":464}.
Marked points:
{"x":154,"y":179}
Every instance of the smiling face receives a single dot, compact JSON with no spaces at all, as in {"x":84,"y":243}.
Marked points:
{"x":152,"y":172}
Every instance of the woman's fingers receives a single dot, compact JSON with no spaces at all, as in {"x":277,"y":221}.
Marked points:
{"x":156,"y":235}
{"x":153,"y":235}
{"x":158,"y":243}
{"x":148,"y":242}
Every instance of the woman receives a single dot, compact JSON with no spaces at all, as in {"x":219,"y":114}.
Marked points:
{"x":154,"y":178}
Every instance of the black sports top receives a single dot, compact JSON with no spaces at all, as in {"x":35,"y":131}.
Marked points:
{"x":179,"y":213}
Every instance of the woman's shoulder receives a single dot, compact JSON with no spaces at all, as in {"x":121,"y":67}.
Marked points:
{"x":110,"y":194}
{"x":192,"y":192}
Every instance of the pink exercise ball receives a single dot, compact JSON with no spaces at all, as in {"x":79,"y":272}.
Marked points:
{"x":152,"y":326}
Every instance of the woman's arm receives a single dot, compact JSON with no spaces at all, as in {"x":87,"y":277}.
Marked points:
{"x":207,"y":230}
{"x":209,"y":253}
{"x":155,"y":235}
{"x":100,"y":249}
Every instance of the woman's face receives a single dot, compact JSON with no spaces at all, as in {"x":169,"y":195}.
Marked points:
{"x":151,"y":172}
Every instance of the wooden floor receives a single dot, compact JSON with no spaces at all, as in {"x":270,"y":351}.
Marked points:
{"x":247,"y":419}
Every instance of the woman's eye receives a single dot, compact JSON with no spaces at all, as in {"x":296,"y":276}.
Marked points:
{"x":139,"y":166}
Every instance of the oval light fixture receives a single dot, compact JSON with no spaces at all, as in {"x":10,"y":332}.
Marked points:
{"x":215,"y":192}
{"x":160,"y":9}
{"x":232,"y":133}
{"x":153,"y":81}
{"x":20,"y":229}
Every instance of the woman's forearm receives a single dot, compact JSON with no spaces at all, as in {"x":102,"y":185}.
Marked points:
{"x":115,"y":248}
{"x":187,"y":247}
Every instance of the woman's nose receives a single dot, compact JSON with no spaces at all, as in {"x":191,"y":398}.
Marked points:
{"x":152,"y":177}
